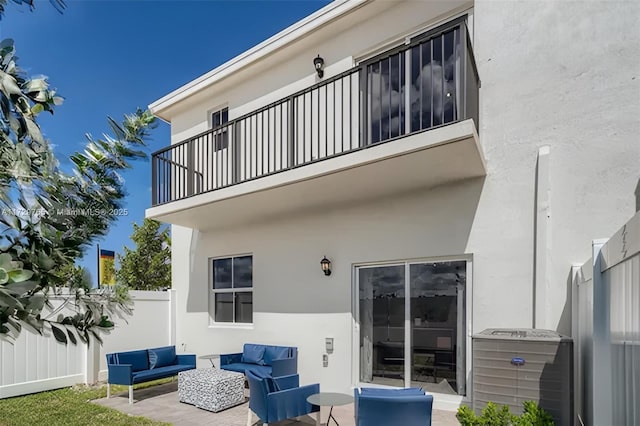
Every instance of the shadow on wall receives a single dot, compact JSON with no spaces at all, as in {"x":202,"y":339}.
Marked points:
{"x":427,"y":223}
{"x":198,"y":295}
{"x":638,"y":196}
{"x":564,"y":323}
{"x":556,"y":387}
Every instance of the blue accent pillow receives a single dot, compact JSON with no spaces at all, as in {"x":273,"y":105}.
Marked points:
{"x":253,"y":354}
{"x":153,"y":359}
{"x":272,"y":385}
{"x":163,"y":356}
{"x":139,"y":360}
{"x":275,"y":352}
{"x":391,"y":392}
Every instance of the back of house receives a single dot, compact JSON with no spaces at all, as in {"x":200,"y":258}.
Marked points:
{"x":448,"y":161}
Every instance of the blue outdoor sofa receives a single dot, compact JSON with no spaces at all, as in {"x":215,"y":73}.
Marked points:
{"x":268,"y":360}
{"x":129,"y":368}
{"x":381,"y":407}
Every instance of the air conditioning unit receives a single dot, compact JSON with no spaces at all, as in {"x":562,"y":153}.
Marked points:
{"x":511,"y":366}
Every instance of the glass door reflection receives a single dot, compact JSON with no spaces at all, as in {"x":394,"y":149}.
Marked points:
{"x":437,"y":326}
{"x":382,"y":324}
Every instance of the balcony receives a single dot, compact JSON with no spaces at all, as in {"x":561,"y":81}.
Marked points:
{"x":409,"y":115}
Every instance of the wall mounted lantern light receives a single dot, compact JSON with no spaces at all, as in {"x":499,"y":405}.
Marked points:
{"x":326,"y":266}
{"x":318,"y":63}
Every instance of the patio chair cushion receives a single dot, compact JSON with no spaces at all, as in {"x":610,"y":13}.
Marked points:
{"x":275,"y":352}
{"x":272,"y":385}
{"x":159,"y":373}
{"x":391,"y":392}
{"x":408,"y":407}
{"x":253,"y":354}
{"x":241,"y":367}
{"x":139,"y":360}
{"x":162,"y":357}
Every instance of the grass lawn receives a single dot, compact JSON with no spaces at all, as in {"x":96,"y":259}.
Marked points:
{"x":69,"y":406}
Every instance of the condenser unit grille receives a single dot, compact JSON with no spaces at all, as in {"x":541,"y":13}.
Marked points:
{"x":511,"y":366}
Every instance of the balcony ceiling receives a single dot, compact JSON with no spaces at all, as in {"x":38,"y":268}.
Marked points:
{"x":428,"y":159}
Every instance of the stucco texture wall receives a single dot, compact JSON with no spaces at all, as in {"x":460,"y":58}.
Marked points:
{"x":294,"y":302}
{"x":567,"y":75}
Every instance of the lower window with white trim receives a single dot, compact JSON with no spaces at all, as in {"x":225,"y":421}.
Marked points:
{"x":231,"y":287}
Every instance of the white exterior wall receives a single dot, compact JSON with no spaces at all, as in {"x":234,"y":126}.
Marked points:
{"x":294,"y":303}
{"x":563,"y":74}
{"x":556,"y":74}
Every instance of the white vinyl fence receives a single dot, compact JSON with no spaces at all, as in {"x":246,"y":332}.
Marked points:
{"x":606,"y":329}
{"x":35,"y":363}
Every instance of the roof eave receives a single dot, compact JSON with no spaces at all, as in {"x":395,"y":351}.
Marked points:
{"x":301,"y":28}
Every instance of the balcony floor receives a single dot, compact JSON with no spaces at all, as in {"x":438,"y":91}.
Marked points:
{"x":431,"y":158}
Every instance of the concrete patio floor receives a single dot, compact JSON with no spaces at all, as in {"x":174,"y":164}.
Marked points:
{"x":161,"y":403}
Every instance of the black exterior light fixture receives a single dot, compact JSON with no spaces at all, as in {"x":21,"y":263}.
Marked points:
{"x":318,"y":64}
{"x":326,"y":266}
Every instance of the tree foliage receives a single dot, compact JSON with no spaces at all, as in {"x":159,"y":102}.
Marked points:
{"x":75,"y":277}
{"x":48,"y":217}
{"x":148,"y":267}
{"x":59,"y":5}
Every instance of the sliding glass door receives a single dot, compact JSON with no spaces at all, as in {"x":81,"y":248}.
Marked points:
{"x":382,"y":324}
{"x":411,"y":319}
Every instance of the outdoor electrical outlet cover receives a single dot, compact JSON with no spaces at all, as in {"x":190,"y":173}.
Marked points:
{"x":329,"y":344}
{"x":325,"y":360}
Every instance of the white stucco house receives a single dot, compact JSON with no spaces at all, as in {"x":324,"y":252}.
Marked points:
{"x":450,"y":159}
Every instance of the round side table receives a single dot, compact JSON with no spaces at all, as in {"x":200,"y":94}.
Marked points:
{"x":210,"y":357}
{"x":329,"y":399}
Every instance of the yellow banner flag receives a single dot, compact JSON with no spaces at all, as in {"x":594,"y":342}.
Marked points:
{"x":107,"y":267}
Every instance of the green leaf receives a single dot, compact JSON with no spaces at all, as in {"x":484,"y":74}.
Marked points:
{"x":72,"y":337}
{"x":20,"y":288}
{"x":4,"y":276}
{"x":7,"y":300}
{"x":33,"y":130}
{"x":36,"y":302}
{"x":59,"y":334}
{"x":19,"y":275}
{"x":37,"y":109}
{"x":45,"y":262}
{"x":9,"y":84}
{"x":97,"y":336}
{"x":5,"y":261}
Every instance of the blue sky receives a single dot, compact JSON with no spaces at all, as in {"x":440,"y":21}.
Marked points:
{"x":109,"y":57}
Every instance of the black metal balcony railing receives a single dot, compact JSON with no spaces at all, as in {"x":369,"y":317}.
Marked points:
{"x":430,"y":82}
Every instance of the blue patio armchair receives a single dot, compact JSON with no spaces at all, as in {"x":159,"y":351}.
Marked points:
{"x":280,"y":398}
{"x":381,"y":407}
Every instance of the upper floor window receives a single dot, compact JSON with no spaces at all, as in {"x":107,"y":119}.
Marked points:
{"x":232,"y":289}
{"x":221,"y":137}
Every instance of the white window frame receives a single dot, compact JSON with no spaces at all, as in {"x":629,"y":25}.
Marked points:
{"x":213,"y":292}
{"x":222,"y":134}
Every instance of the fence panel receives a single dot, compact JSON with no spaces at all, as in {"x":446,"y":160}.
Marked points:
{"x":150,"y":326}
{"x":35,"y":363}
{"x":624,"y":286}
{"x":606,"y":329}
